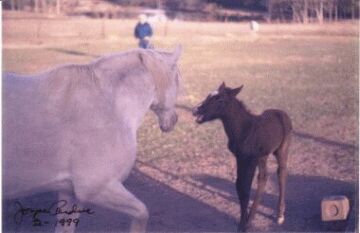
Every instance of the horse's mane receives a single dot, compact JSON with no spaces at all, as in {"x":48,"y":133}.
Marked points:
{"x":76,"y":75}
{"x":161,"y":72}
{"x":69,"y":78}
{"x":152,"y":60}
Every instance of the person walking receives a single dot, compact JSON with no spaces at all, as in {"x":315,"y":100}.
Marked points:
{"x":143,"y":32}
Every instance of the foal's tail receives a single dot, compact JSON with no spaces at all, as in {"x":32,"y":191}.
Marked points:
{"x":282,"y":155}
{"x":286,"y":125}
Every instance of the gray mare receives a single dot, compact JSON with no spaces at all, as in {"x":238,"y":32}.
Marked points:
{"x":72,"y":129}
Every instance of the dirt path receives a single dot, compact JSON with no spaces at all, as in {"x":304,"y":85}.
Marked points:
{"x":195,"y":192}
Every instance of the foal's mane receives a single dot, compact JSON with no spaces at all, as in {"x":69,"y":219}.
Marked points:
{"x":241,"y":106}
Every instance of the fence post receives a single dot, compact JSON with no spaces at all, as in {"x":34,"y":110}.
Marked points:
{"x":58,"y":7}
{"x":336,"y":12}
{"x":306,"y":8}
{"x":38,"y":29}
{"x":166,"y":28}
{"x":103,"y":35}
{"x":12,"y":3}
{"x":269,"y":9}
{"x":36,"y":6}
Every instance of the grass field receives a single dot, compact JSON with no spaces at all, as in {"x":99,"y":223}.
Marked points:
{"x":310,"y":71}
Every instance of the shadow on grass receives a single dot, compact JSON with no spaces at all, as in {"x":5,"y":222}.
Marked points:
{"x":169,"y":209}
{"x":73,"y":52}
{"x":303,"y":199}
{"x":184,"y":107}
{"x":301,"y":135}
{"x":321,"y":140}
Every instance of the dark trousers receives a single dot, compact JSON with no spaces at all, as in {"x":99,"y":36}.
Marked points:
{"x":144,"y":43}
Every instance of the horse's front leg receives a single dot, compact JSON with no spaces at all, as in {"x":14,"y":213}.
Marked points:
{"x":243,"y":201}
{"x":66,"y":200}
{"x":116,"y":197}
{"x":245,"y":173}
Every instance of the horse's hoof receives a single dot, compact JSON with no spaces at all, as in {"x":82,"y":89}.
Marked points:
{"x":280,"y":220}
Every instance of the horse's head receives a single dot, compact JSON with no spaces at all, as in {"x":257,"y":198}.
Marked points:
{"x":167,"y":91}
{"x":214,"y":106}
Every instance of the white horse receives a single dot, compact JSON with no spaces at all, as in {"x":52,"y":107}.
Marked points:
{"x":73,"y":129}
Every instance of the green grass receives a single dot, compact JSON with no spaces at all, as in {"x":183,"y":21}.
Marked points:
{"x":308,"y":73}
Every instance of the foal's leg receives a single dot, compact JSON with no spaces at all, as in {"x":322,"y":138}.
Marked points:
{"x":116,"y":197}
{"x":245,"y":174}
{"x":262,"y":178}
{"x":282,"y":157}
{"x":70,"y":199}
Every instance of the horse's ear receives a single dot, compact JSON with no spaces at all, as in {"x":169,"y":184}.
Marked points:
{"x":176,"y":54}
{"x":236,"y":91}
{"x":157,"y":69}
{"x":222,"y":87}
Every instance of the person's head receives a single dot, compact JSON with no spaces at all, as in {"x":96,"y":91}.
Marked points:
{"x":142,"y":18}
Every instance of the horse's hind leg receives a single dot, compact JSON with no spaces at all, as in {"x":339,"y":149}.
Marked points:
{"x":116,"y":197}
{"x":262,"y":178}
{"x":282,"y":158}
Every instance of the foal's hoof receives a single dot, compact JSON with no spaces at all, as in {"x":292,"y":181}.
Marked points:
{"x":242,"y":228}
{"x":280,"y":220}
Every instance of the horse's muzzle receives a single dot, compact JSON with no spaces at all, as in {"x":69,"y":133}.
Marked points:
{"x":169,"y":125}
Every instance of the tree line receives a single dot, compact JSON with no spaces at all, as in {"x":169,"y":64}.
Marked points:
{"x":299,"y":11}
{"x":43,"y":6}
{"x":305,"y":11}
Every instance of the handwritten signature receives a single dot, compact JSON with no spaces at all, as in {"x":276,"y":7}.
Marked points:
{"x":56,"y":208}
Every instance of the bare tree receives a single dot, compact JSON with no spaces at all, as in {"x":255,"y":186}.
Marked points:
{"x":297,"y":10}
{"x":320,"y":11}
{"x":306,"y":12}
{"x":58,"y":7}
{"x":12,"y":4}
{"x":36,"y":6}
{"x":269,"y":6}
{"x":43,"y":6}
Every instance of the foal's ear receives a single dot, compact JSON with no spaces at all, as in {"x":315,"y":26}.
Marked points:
{"x":222,"y":87}
{"x":236,"y":91}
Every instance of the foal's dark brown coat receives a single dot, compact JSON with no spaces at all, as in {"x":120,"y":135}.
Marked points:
{"x":251,"y":139}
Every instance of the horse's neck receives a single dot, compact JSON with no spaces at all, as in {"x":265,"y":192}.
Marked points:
{"x":128,"y":85}
{"x":132,"y":106}
{"x":236,"y":120}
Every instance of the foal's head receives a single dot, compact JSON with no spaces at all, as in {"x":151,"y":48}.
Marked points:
{"x":214,"y":106}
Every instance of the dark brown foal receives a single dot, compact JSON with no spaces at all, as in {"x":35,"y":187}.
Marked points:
{"x":252,"y":138}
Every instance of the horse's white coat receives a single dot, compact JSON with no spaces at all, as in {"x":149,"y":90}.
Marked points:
{"x":72,"y":129}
